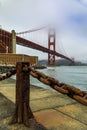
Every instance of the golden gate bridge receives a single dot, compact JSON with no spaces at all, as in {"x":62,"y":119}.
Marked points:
{"x":7,"y":38}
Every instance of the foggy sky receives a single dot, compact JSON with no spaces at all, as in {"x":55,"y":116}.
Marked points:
{"x":69,"y":17}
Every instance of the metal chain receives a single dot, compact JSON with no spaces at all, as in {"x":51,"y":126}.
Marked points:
{"x":7,"y":74}
{"x":71,"y":91}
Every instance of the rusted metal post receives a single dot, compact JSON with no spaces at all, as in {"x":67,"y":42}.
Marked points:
{"x":22,"y":112}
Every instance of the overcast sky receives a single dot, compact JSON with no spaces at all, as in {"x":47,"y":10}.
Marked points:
{"x":68,"y":16}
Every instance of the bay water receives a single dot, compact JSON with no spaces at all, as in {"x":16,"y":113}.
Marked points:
{"x":72,"y":75}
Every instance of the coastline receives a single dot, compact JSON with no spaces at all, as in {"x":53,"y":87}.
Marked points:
{"x":51,"y":109}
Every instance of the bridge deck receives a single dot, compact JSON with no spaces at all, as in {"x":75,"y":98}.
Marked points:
{"x":51,"y":109}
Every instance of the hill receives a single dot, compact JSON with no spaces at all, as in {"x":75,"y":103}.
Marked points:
{"x":64,"y":62}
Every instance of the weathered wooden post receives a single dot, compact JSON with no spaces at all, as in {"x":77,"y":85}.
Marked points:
{"x":22,"y":111}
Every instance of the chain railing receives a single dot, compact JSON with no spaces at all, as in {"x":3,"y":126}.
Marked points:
{"x":7,"y":74}
{"x":71,"y":91}
{"x":23,"y":71}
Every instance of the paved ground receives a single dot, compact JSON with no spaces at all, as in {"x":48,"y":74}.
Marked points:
{"x":52,"y":110}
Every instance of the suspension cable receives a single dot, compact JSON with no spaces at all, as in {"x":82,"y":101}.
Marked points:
{"x":32,"y":30}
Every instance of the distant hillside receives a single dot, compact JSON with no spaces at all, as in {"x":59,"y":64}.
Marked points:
{"x":64,"y":62}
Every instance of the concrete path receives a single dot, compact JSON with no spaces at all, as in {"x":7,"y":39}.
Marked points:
{"x":52,"y":110}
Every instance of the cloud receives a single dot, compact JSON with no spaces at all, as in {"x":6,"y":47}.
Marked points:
{"x":74,"y":46}
{"x":69,"y":18}
{"x":0,"y":4}
{"x":83,"y":2}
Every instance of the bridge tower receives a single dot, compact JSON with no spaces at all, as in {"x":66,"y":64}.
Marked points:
{"x":13,"y":41}
{"x":51,"y":46}
{"x":7,"y":41}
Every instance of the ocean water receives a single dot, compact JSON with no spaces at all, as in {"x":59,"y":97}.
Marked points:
{"x":72,"y":75}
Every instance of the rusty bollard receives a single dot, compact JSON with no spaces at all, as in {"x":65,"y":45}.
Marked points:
{"x":22,"y":112}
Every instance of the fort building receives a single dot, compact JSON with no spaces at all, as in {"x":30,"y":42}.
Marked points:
{"x":8,"y":50}
{"x":10,"y":58}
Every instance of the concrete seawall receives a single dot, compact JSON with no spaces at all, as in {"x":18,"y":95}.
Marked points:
{"x":51,"y":109}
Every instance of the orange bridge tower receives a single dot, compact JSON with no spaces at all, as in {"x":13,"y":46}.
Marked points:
{"x":51,"y":46}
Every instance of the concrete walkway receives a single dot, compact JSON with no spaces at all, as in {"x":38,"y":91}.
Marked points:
{"x":51,"y":109}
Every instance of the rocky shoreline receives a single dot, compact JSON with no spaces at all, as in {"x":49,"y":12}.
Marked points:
{"x":4,"y":69}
